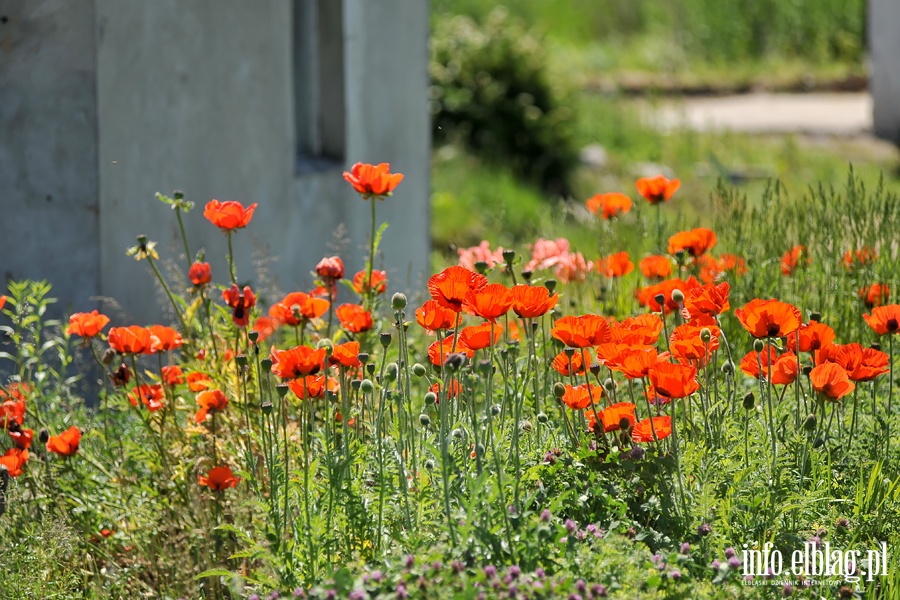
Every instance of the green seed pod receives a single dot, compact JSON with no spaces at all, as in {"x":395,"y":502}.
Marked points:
{"x":705,"y":335}
{"x":398,"y":301}
{"x":385,"y":339}
{"x":758,"y":345}
{"x":677,"y":296}
{"x":542,"y":418}
{"x":424,"y":420}
{"x":430,"y":398}
{"x":282,"y":389}
{"x":266,"y":365}
{"x":390,"y":371}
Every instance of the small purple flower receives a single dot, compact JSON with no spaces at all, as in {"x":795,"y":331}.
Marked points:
{"x":457,"y":566}
{"x":410,"y":561}
{"x":770,"y":574}
{"x":716,"y":565}
{"x":330,"y":594}
{"x":436,"y":565}
{"x":580,"y":534}
{"x":599,"y":591}
{"x":675,"y":575}
{"x":274,"y":596}
{"x":401,"y":591}
{"x":490,"y":571}
{"x":358,"y":595}
{"x":787,"y":590}
{"x":575,"y":597}
{"x":545,"y":515}
{"x":571,"y":526}
{"x":685,"y":548}
{"x":564,"y":540}
{"x":816,"y":541}
{"x":704,"y":530}
{"x":591,"y":528}
{"x":637,"y":453}
{"x":514,"y":571}
{"x":581,"y":586}
{"x":593,"y":445}
{"x":299,"y":593}
{"x":539,"y":573}
{"x":729,"y":552}
{"x":656,"y":558}
{"x":734,"y":562}
{"x":512,"y":510}
{"x":537,"y":586}
{"x":377,"y":576}
{"x":253,"y":597}
{"x":748,"y":577}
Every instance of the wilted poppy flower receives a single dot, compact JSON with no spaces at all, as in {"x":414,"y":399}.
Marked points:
{"x":813,"y":336}
{"x":854,"y":259}
{"x":609,"y":205}
{"x":709,"y":299}
{"x":218,"y":479}
{"x":779,"y":369}
{"x":264,"y":327}
{"x":121,"y":376}
{"x":438,"y":351}
{"x":14,"y":459}
{"x":831,"y":380}
{"x":695,"y":242}
{"x":200,"y":273}
{"x":478,"y":337}
{"x":530,"y":301}
{"x":615,"y":265}
{"x":172,"y":375}
{"x":210,"y":401}
{"x":66,"y":443}
{"x":354,"y":318}
{"x":874,"y":295}
{"x":673,"y":380}
{"x":451,"y":286}
{"x":656,"y":266}
{"x":687,"y":345}
{"x":297,"y":308}
{"x":330,"y":267}
{"x":578,"y":397}
{"x":164,"y":338}
{"x":197,"y":381}
{"x":373,"y":181}
{"x":884,"y":319}
{"x":151,"y":396}
{"x":861,"y":364}
{"x":657,"y":189}
{"x":566,"y":365}
{"x":769,"y":318}
{"x":240,"y":301}
{"x":21,"y":438}
{"x":643,"y":430}
{"x":433,"y":317}
{"x":641,"y":330}
{"x":581,"y":331}
{"x":345,"y":355}
{"x":614,"y":418}
{"x":312,"y":386}
{"x":297,"y":361}
{"x":228,"y":215}
{"x":86,"y":325}
{"x":491,"y":301}
{"x":480,"y":253}
{"x":131,"y":340}
{"x":646,"y":296}
{"x":379,"y":282}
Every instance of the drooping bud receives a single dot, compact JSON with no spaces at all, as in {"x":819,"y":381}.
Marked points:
{"x":418,"y":370}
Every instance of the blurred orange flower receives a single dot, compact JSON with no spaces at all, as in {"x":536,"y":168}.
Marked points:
{"x":345,"y":355}
{"x":478,"y":337}
{"x":14,"y":459}
{"x":779,"y":369}
{"x":151,"y":396}
{"x":218,"y":479}
{"x":854,"y":259}
{"x":197,"y":381}
{"x":312,"y":386}
{"x":200,"y":273}
{"x":884,"y":319}
{"x":298,"y":307}
{"x":451,"y":286}
{"x":530,"y":301}
{"x":297,"y":361}
{"x":581,"y":331}
{"x":66,"y":443}
{"x":330,"y":267}
{"x":164,"y":338}
{"x":615,"y":265}
{"x":210,"y":401}
{"x":240,"y":301}
{"x":615,"y":417}
{"x":874,"y":295}
{"x":574,"y":365}
{"x":797,"y":256}
{"x":438,"y":351}
{"x":491,"y":301}
{"x":379,"y":282}
{"x":709,"y":299}
{"x":695,"y":242}
{"x":656,"y":266}
{"x":609,"y":205}
{"x":86,"y":324}
{"x":813,"y":336}
{"x":578,"y":397}
{"x":228,"y":215}
{"x":657,"y":189}
{"x":131,"y":340}
{"x":861,"y":364}
{"x":433,"y":317}
{"x":172,"y":375}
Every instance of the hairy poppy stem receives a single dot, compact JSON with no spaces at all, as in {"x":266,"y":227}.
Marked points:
{"x":165,"y":287}
{"x":231,"y":269}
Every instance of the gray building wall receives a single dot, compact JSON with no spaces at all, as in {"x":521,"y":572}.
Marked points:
{"x":884,"y":66}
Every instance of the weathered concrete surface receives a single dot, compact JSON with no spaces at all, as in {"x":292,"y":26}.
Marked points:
{"x":884,"y":66}
{"x":48,"y":147}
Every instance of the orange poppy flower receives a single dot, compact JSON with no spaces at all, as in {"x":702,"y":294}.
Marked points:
{"x":646,"y":296}
{"x":831,"y":380}
{"x":780,"y":369}
{"x":451,"y":286}
{"x":379,"y":282}
{"x":210,"y":401}
{"x":373,"y":181}
{"x":478,"y":337}
{"x":769,"y":318}
{"x":861,"y":364}
{"x":164,"y":338}
{"x":2,"y":301}
{"x":688,"y":347}
{"x":240,"y":301}
{"x":608,"y":354}
{"x":581,"y":331}
{"x":530,"y":301}
{"x":453,"y":389}
{"x":813,"y":336}
{"x":579,"y":397}
{"x":151,"y":396}
{"x":673,"y":380}
{"x":21,"y":438}
{"x":695,"y":242}
{"x":643,"y":430}
{"x":297,"y":361}
{"x":86,"y":325}
{"x":709,"y":299}
{"x":298,"y":307}
{"x":438,"y":351}
{"x":218,"y":479}
{"x":312,"y":386}
{"x":131,"y":340}
{"x":264,"y":327}
{"x":642,"y":330}
{"x":66,"y":443}
{"x":172,"y":375}
{"x":330,"y":267}
{"x":713,"y":269}
{"x":797,"y":256}
{"x":197,"y":381}
{"x":874,"y":295}
{"x":345,"y":355}
{"x":229,"y":215}
{"x":635,"y":361}
{"x":614,"y":418}
{"x":574,"y":365}
{"x":491,"y":301}
{"x":657,"y":189}
{"x":609,"y":205}
{"x":354,"y":318}
{"x":615,"y":265}
{"x":656,"y":266}
{"x":432,"y":316}
{"x":12,"y":409}
{"x":200,"y":273}
{"x":14,"y":459}
{"x":884,"y":319}
{"x":854,"y":259}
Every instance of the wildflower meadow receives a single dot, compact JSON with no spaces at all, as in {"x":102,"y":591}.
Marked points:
{"x":676,"y":412}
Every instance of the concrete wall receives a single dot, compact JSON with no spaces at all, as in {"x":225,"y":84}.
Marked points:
{"x":884,"y":75}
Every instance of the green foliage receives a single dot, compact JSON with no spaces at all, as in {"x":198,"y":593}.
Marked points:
{"x":491,"y":91}
{"x":43,"y":560}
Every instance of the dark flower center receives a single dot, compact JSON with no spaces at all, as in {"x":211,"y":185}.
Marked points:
{"x":772,"y":329}
{"x":892,"y":325}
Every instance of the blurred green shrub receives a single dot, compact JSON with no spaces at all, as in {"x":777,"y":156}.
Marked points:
{"x":491,"y":92}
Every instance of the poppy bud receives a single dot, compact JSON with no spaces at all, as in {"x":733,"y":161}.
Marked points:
{"x":542,"y":418}
{"x":325,"y":343}
{"x":659,"y":299}
{"x":241,"y":360}
{"x":363,"y":357}
{"x":481,"y":267}
{"x":807,"y":369}
{"x":282,"y":389}
{"x":429,"y":464}
{"x":809,"y":424}
{"x":550,"y":284}
{"x":526,"y":275}
{"x":430,"y":398}
{"x":418,"y":370}
{"x":728,"y":367}
{"x":43,"y":436}
{"x":479,"y":450}
{"x":355,"y":383}
{"x":266,"y":364}
{"x":815,"y":316}
{"x":457,"y":434}
{"x":595,"y":368}
{"x":509,"y":256}
{"x":495,"y":410}
{"x":253,"y":335}
{"x":391,"y":371}
{"x":705,"y":335}
{"x":569,"y":351}
{"x":609,"y":384}
{"x":455,"y":361}
{"x":398,"y":301}
{"x":370,"y":368}
{"x":424,"y":420}
{"x":366,"y":386}
{"x":108,"y":356}
{"x":559,"y":390}
{"x":680,"y":256}
{"x":758,"y":345}
{"x":485,"y":367}
{"x":527,"y":426}
{"x":385,"y":339}
{"x":749,"y":401}
{"x":677,"y":296}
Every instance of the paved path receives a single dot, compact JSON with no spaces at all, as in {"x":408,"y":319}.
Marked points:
{"x":846,"y":114}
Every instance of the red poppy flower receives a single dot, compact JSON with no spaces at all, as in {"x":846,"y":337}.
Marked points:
{"x":780,"y":369}
{"x":635,"y":361}
{"x":642,"y":330}
{"x":884,"y":319}
{"x":240,"y":301}
{"x":439,"y":351}
{"x":614,"y":418}
{"x":695,"y":242}
{"x":172,"y":375}
{"x":200,"y":273}
{"x":228,"y":215}
{"x":373,"y":180}
{"x":797,"y":256}
{"x":14,"y":459}
{"x":218,"y":479}
{"x":151,"y":396}
{"x":657,"y":189}
{"x":345,"y":355}
{"x":491,"y":301}
{"x":478,"y":337}
{"x":66,"y":443}
{"x":854,"y":259}
{"x":813,"y":336}
{"x":86,"y":325}
{"x":330,"y":268}
{"x":210,"y":401}
{"x":579,"y":397}
{"x":673,"y":380}
{"x":861,"y":364}
{"x":432,"y":316}
{"x":646,"y":296}
{"x":769,"y":318}
{"x":530,"y":301}
{"x":709,"y":299}
{"x":615,"y":265}
{"x":131,"y":340}
{"x":21,"y":438}
{"x":297,"y":361}
{"x":831,"y":380}
{"x":354,"y":318}
{"x":574,"y":365}
{"x":264,"y":327}
{"x":656,"y":266}
{"x":609,"y":205}
{"x":581,"y":331}
{"x":298,"y":307}
{"x":312,"y":386}
{"x":643,"y":430}
{"x":197,"y":381}
{"x":874,"y":295}
{"x":451,"y":286}
{"x":687,"y":345}
{"x":379,"y":282}
{"x":164,"y":338}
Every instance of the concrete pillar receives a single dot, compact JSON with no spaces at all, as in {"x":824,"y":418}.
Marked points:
{"x":884,"y":72}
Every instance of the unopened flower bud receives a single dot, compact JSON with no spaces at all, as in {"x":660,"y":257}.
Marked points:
{"x":550,"y":284}
{"x":241,"y":360}
{"x":282,"y":389}
{"x":559,"y":390}
{"x":390,"y":371}
{"x":809,"y":424}
{"x":495,"y":410}
{"x":266,"y":408}
{"x":418,"y":370}
{"x":758,"y":345}
{"x":355,"y":384}
{"x":526,"y":275}
{"x":485,"y":367}
{"x":705,"y":335}
{"x":749,"y":401}
{"x":807,"y":369}
{"x":875,"y":346}
{"x":429,"y":464}
{"x":424,"y":420}
{"x":815,"y":316}
{"x":325,"y":343}
{"x":542,"y":418}
{"x":526,"y":426}
{"x":108,"y":356}
{"x":677,"y":296}
{"x":370,"y":368}
{"x":660,"y":299}
{"x":253,"y":335}
{"x":481,"y":267}
{"x":728,"y":367}
{"x":456,"y":434}
{"x":609,"y":384}
{"x":509,"y":256}
{"x":398,"y":301}
{"x":455,"y":361}
{"x":569,"y":352}
{"x":430,"y":398}
{"x":43,"y":436}
{"x":366,"y":386}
